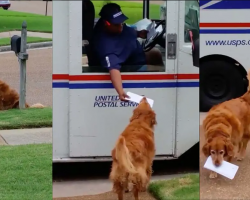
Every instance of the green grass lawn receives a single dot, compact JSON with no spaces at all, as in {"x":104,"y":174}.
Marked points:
{"x":6,"y":41}
{"x":12,"y":20}
{"x":26,"y":172}
{"x":27,"y":118}
{"x":186,"y":187}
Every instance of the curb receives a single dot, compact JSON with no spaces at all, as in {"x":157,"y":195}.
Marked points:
{"x":29,"y":46}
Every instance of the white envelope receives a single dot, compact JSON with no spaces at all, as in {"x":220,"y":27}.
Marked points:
{"x":225,"y":169}
{"x":142,"y":24}
{"x":137,"y":98}
{"x":151,"y":30}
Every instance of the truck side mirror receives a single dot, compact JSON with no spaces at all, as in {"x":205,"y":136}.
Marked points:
{"x":196,"y":34}
{"x":195,"y":40}
{"x":196,"y":53}
{"x":15,"y":43}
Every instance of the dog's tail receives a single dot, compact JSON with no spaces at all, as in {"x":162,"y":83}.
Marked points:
{"x":37,"y":105}
{"x":123,"y":156}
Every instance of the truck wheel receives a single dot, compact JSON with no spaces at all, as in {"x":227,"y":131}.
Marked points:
{"x":219,"y":81}
{"x":5,"y":8}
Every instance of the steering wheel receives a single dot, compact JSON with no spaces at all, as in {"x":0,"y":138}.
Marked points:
{"x":150,"y":43}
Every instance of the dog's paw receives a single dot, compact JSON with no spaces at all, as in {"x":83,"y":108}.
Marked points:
{"x":126,"y":190}
{"x":240,"y":158}
{"x":213,"y":175}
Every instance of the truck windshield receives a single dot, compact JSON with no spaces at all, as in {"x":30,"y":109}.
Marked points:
{"x":192,"y":14}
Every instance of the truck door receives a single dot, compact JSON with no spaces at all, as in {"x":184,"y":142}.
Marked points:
{"x":187,"y":128}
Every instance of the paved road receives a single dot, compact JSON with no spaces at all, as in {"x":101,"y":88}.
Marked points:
{"x":39,"y":74}
{"x":37,"y":7}
{"x":223,"y":188}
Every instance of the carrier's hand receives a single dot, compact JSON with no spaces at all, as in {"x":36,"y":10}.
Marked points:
{"x":142,"y":34}
{"x":122,"y":96}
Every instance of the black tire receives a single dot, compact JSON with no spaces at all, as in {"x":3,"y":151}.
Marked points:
{"x":5,"y":8}
{"x":219,"y":81}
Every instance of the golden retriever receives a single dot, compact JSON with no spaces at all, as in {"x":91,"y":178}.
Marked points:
{"x":9,"y":98}
{"x":134,"y":152}
{"x":227,"y":130}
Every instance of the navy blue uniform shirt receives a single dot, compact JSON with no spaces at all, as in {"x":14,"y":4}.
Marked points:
{"x":115,"y":51}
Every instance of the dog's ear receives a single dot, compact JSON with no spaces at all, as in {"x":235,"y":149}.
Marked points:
{"x":136,"y":115}
{"x":206,"y":149}
{"x":229,"y":148}
{"x":153,"y":117}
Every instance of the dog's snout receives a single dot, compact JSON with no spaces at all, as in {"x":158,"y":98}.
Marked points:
{"x":217,"y":163}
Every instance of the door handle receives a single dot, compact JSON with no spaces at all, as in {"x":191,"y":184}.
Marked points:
{"x":171,"y":46}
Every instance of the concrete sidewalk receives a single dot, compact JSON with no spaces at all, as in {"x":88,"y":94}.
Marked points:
{"x":29,"y":34}
{"x":25,"y":136}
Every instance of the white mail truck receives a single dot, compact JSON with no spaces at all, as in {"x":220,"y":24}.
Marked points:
{"x":224,"y":50}
{"x":87,"y":113}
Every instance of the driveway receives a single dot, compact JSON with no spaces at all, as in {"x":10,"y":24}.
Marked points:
{"x":96,"y":189}
{"x":39,"y":74}
{"x":223,"y":188}
{"x":91,"y":179}
{"x":37,"y":7}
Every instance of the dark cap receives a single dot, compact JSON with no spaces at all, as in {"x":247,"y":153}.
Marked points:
{"x":112,"y":13}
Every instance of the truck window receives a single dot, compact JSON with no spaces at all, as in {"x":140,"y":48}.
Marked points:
{"x":132,"y":9}
{"x":157,"y":9}
{"x":125,"y":57}
{"x":192,"y":21}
